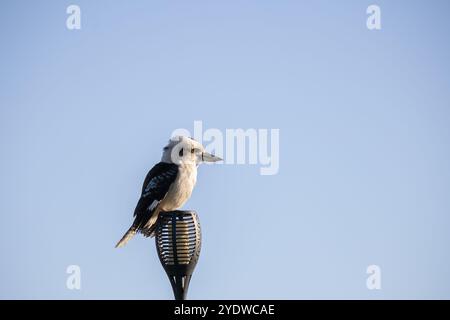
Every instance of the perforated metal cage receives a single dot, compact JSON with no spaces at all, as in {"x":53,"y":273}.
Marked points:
{"x":178,"y":242}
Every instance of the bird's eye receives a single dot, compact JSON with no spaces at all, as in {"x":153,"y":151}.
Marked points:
{"x":192,"y":150}
{"x":180,"y":153}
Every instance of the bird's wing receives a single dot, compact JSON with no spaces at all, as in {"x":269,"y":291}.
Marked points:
{"x":156,"y":185}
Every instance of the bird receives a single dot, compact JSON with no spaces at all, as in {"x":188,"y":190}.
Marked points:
{"x":168,"y":185}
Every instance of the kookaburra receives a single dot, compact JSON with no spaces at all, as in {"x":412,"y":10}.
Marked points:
{"x":168,"y":185}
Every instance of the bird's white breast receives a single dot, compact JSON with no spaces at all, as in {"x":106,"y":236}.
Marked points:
{"x":181,"y":189}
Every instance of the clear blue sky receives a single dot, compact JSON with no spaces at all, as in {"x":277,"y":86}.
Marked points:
{"x":364,"y":119}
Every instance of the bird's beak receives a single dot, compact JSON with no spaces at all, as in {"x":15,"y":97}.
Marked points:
{"x":207,"y":157}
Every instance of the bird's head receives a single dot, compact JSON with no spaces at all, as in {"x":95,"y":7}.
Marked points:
{"x":184,"y":150}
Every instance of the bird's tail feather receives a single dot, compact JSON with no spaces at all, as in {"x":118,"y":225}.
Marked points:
{"x":126,"y":237}
{"x":149,"y":228}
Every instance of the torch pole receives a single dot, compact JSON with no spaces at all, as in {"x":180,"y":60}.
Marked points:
{"x":178,"y":242}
